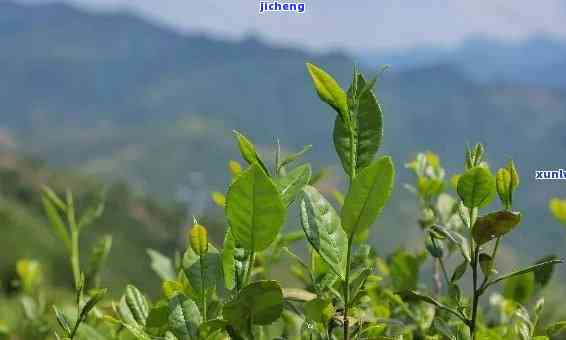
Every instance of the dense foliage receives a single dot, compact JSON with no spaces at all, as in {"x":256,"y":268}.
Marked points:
{"x":348,"y":291}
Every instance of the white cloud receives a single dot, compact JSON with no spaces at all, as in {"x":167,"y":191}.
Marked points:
{"x":357,"y":24}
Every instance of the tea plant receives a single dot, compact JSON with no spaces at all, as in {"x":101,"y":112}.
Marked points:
{"x":349,"y":291}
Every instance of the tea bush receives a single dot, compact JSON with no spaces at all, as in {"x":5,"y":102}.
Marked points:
{"x":348,"y":291}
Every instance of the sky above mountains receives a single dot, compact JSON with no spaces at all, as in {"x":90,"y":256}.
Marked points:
{"x":354,"y":25}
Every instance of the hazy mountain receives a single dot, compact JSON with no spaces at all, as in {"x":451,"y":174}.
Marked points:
{"x":537,"y":61}
{"x":115,"y":96}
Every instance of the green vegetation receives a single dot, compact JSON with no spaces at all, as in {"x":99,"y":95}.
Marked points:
{"x":344,"y":289}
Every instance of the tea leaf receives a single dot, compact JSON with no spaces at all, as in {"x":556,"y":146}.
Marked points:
{"x":184,"y":317}
{"x":495,"y":225}
{"x":203,"y":272}
{"x":322,"y":227}
{"x":248,"y":151}
{"x":476,"y":187}
{"x":95,"y":296}
{"x":519,"y":288}
{"x":198,"y":238}
{"x":555,"y":328}
{"x":367,"y":118}
{"x":319,"y":310}
{"x":368,"y":194}
{"x":62,"y":321}
{"x":486,"y":264}
{"x":158,"y":315}
{"x":293,"y":157}
{"x":137,"y":304}
{"x":93,"y":212}
{"x":161,"y":265}
{"x":292,"y":183}
{"x":529,"y":269}
{"x":56,"y":222}
{"x":404,"y":269}
{"x":459,"y":272}
{"x":329,"y":91}
{"x":544,"y":274}
{"x":228,"y":262}
{"x":254,"y":209}
{"x":261,"y":302}
{"x":98,"y":256}
{"x":235,"y":168}
{"x":558,"y":208}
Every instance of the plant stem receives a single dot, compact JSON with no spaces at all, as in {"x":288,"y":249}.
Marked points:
{"x":248,"y":274}
{"x":475,"y":261}
{"x":346,"y":321}
{"x":204,"y":288}
{"x":75,"y":256}
{"x":476,"y":296}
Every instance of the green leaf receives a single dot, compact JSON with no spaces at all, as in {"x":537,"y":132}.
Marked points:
{"x":62,"y":321}
{"x":254,"y":209}
{"x":459,"y":272}
{"x":519,"y":288}
{"x":158,"y":315}
{"x":260,"y":302}
{"x":544,"y":273}
{"x":161,"y":265}
{"x":292,"y":183}
{"x":555,"y":328}
{"x":56,"y":222}
{"x":404,"y":269}
{"x":329,"y":91}
{"x":95,"y":296}
{"x":293,"y":157}
{"x":211,"y":328}
{"x":248,"y":151}
{"x":503,"y":184}
{"x":368,"y":194}
{"x":204,"y":273}
{"x":93,"y":212}
{"x":184,"y":317}
{"x":476,"y":187}
{"x":97,"y":259}
{"x":228,"y":262}
{"x":367,"y":118}
{"x":535,"y":267}
{"x":53,"y":197}
{"x":137,"y":304}
{"x":486,"y":264}
{"x":414,"y":296}
{"x":319,"y":310}
{"x":495,"y":225}
{"x":322,"y":227}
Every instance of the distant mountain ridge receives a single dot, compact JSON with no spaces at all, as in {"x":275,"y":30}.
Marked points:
{"x":539,"y":60}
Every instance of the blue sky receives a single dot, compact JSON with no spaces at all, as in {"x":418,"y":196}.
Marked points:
{"x":355,"y":24}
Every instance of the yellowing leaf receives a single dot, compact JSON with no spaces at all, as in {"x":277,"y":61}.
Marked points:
{"x":558,"y":209}
{"x":329,"y":91}
{"x":235,"y":168}
{"x":198,"y":238}
{"x":432,"y":159}
{"x":218,"y":198}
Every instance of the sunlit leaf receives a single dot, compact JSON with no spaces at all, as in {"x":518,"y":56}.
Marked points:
{"x":476,"y":187}
{"x":322,"y":227}
{"x":254,"y":209}
{"x":368,"y":194}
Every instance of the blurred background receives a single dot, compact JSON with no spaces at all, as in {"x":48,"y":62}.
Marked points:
{"x":141,"y":96}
